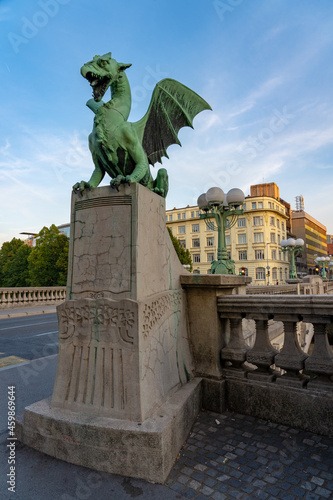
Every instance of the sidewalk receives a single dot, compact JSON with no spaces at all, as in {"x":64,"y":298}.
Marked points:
{"x":16,"y":312}
{"x":226,"y":457}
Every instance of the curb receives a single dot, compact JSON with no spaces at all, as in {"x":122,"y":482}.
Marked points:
{"x":26,"y":313}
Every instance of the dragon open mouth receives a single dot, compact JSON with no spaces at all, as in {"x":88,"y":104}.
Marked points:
{"x":99,"y":84}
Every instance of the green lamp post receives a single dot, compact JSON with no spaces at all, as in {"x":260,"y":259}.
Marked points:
{"x":323,"y":262}
{"x":224,"y":209}
{"x":292,"y":246}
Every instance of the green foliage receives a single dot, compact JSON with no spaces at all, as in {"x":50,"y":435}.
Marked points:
{"x":14,"y":256}
{"x":183,"y":255}
{"x":48,"y":259}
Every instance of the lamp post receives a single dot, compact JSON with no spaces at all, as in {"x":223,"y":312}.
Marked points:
{"x":225,"y":210}
{"x":292,"y":246}
{"x":323,"y":261}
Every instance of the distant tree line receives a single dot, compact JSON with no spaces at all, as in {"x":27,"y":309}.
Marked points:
{"x":183,"y":254}
{"x":42,"y":265}
{"x":46,"y":263}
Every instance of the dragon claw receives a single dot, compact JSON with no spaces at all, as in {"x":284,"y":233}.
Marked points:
{"x":79,"y":187}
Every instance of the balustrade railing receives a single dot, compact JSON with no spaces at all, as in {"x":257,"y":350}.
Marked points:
{"x":16,"y":297}
{"x":290,"y":366}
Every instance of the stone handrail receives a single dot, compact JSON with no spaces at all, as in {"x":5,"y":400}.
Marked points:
{"x":272,"y":289}
{"x":297,"y":368}
{"x":323,"y":287}
{"x":31,"y":296}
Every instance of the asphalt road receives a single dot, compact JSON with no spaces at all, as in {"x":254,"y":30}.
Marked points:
{"x":29,"y":337}
{"x":39,"y":476}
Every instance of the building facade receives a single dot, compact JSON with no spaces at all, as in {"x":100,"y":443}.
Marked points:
{"x":314,"y":235}
{"x":253,"y":242}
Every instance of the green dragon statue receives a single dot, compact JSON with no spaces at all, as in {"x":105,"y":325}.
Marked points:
{"x":122,"y":149}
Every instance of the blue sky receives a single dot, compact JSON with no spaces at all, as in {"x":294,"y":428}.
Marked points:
{"x":264,"y":66}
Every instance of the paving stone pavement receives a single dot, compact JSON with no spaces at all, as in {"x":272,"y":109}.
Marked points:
{"x":232,"y":456}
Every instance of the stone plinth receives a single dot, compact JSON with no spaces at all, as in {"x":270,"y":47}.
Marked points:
{"x":123,"y":339}
{"x":208,"y":333}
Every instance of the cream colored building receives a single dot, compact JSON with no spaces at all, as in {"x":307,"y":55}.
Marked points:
{"x":253,"y":242}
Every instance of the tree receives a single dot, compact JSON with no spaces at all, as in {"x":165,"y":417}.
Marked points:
{"x":14,"y":263}
{"x":183,"y":254}
{"x":49,"y":258}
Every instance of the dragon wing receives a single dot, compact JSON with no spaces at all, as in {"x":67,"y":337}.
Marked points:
{"x":172,"y":107}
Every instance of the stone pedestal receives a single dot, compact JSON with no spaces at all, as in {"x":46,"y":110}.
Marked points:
{"x":123,"y":343}
{"x":208,"y":334}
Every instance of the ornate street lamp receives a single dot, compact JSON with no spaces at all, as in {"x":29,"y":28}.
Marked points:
{"x":292,"y":246}
{"x":225,"y":210}
{"x":323,"y":262}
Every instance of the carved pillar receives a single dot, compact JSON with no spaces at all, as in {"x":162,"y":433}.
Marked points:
{"x":262,"y":354}
{"x":235,"y":352}
{"x":321,"y":361}
{"x":291,"y":358}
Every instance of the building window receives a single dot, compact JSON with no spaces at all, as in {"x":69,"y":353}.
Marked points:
{"x":258,"y":237}
{"x":260,"y":255}
{"x":229,"y":255}
{"x":274,"y":273}
{"x":273,"y":240}
{"x":182,"y":243}
{"x":227,"y":239}
{"x":260,"y":273}
{"x":282,"y":226}
{"x":269,"y":204}
{"x":280,"y":256}
{"x":210,"y":257}
{"x":258,"y":221}
{"x":281,"y":274}
{"x":184,"y":215}
{"x":196,"y":271}
{"x":278,"y":223}
{"x":260,"y":204}
{"x":198,"y":213}
{"x":170,"y":218}
{"x":242,"y":255}
{"x":181,"y":229}
{"x":273,"y":254}
{"x":196,"y":243}
{"x":195,"y":228}
{"x":210,"y":241}
{"x":192,"y":214}
{"x":179,"y":216}
{"x":285,"y":273}
{"x":241,"y":222}
{"x":244,"y":206}
{"x":196,"y":258}
{"x":241,"y":239}
{"x":272,"y":221}
{"x":254,"y":205}
{"x":279,"y":238}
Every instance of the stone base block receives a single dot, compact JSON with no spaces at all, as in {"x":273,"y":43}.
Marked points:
{"x":213,"y":395}
{"x":145,"y":450}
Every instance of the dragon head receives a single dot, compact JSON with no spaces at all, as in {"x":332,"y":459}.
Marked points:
{"x":102,"y":72}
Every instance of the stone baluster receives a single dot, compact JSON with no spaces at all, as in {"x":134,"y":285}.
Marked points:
{"x":320,"y":362}
{"x":291,"y":358}
{"x":235,"y":351}
{"x":262,"y":354}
